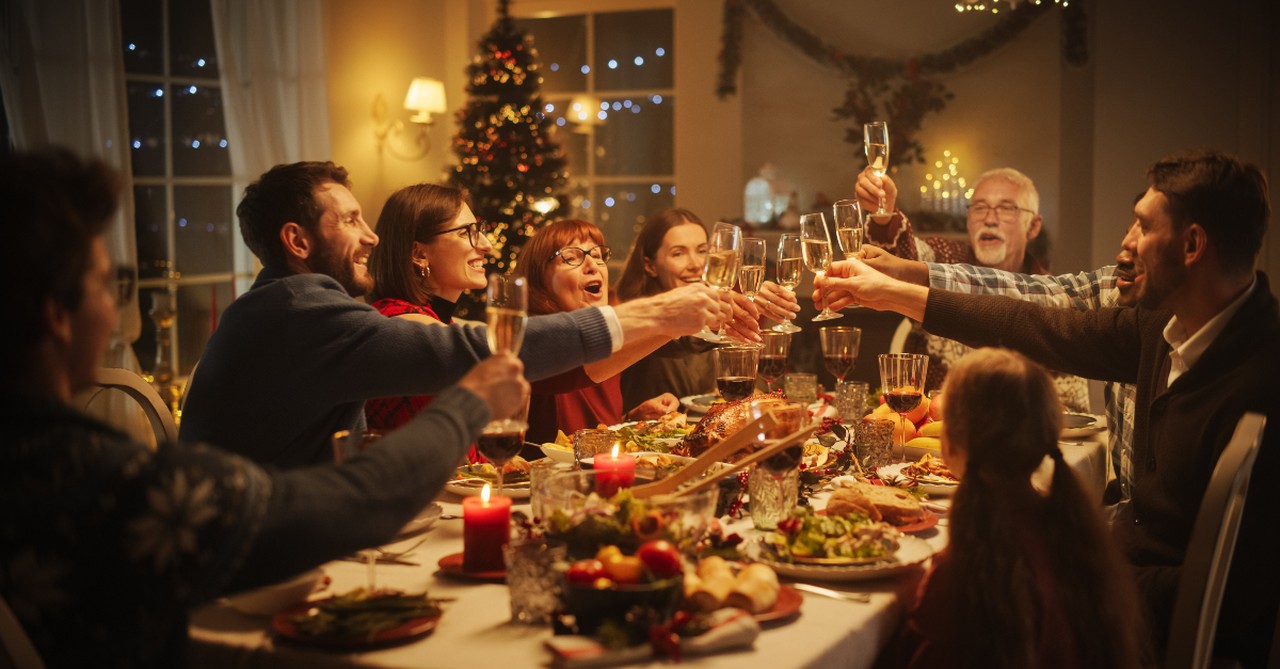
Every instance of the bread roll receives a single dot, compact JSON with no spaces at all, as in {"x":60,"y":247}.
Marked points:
{"x":755,"y":589}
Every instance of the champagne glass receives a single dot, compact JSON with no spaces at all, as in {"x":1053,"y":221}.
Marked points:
{"x":816,"y":248}
{"x":721,"y":270}
{"x":751,"y":273}
{"x":508,"y":297}
{"x":775,"y":346}
{"x":875,"y":139}
{"x":902,"y":376}
{"x":839,"y":349}
{"x":790,"y":259}
{"x":849,"y":229}
{"x":736,"y":368}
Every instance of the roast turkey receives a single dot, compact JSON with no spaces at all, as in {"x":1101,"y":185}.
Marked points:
{"x":722,"y":420}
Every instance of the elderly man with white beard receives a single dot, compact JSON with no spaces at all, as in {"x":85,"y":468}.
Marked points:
{"x":1003,"y":217}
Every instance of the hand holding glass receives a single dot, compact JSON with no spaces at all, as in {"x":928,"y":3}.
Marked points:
{"x":502,"y":439}
{"x":816,"y":247}
{"x":875,"y":139}
{"x":751,"y":273}
{"x":721,"y":270}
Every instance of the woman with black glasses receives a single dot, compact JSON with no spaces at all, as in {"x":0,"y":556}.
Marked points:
{"x":432,"y":249}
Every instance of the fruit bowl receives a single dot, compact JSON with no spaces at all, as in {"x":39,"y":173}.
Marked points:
{"x":576,"y":512}
{"x":629,"y":607}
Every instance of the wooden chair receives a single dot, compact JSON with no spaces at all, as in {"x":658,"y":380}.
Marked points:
{"x":135,"y":386}
{"x":1213,"y":540}
{"x":16,"y":649}
{"x":899,"y":341}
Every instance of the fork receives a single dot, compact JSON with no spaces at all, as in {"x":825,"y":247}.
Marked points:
{"x":860,"y":597}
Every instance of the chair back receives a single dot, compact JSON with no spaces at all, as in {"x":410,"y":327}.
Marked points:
{"x":1213,"y":539}
{"x":153,"y":407}
{"x":898,"y":343}
{"x":16,"y":649}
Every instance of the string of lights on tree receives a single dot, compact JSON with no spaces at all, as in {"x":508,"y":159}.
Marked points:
{"x":897,"y":90}
{"x":507,"y":159}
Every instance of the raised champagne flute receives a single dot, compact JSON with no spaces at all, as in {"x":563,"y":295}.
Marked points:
{"x":902,"y":377}
{"x":721,"y":270}
{"x":774,"y":349}
{"x":839,"y":349}
{"x":736,"y":368}
{"x":849,"y":229}
{"x":875,"y":139}
{"x":506,"y":313}
{"x":790,"y":264}
{"x":751,"y":271}
{"x":816,"y":248}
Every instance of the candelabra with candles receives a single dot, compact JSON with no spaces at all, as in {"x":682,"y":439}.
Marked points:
{"x":163,"y":314}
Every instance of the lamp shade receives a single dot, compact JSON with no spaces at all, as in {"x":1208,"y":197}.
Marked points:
{"x":425,"y":96}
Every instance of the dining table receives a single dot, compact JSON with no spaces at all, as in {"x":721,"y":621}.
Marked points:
{"x":476,"y":628}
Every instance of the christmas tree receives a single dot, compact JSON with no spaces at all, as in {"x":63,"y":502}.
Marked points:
{"x":506,"y":157}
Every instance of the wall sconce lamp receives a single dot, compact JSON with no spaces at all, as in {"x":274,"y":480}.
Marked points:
{"x":425,"y":97}
{"x":585,"y":113}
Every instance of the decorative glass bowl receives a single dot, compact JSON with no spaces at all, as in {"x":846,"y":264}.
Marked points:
{"x":630,"y":608}
{"x":575,"y":512}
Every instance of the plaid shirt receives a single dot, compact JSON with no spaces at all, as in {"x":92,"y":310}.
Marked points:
{"x":1083,"y":290}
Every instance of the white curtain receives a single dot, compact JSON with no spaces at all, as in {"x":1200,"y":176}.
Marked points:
{"x":271,"y":55}
{"x":63,"y":82}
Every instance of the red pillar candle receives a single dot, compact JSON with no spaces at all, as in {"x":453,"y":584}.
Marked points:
{"x":614,"y":471}
{"x":486,"y":528}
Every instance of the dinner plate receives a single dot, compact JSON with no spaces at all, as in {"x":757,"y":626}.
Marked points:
{"x":473,"y":488}
{"x":928,"y":520}
{"x":423,"y":521}
{"x":698,"y":403}
{"x":932,"y":485}
{"x":413,"y":628}
{"x":1076,"y":425}
{"x":911,"y":552}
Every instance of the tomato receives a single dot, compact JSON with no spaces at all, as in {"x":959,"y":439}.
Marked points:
{"x":585,"y":572}
{"x":648,"y":526}
{"x":661,"y":558}
{"x":624,"y":569}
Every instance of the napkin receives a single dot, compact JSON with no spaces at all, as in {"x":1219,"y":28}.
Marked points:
{"x":730,"y":629}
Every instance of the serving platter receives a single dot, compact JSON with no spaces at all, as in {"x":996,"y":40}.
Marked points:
{"x":472,"y":487}
{"x":283,"y":624}
{"x":912,"y":551}
{"x":933,"y":485}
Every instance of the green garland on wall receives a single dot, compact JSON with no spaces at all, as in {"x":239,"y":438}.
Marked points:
{"x":897,"y":90}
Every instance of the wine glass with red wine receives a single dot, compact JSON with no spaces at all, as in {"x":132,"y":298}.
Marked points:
{"x":902,"y":377}
{"x":736,"y":368}
{"x":839,"y":349}
{"x":506,"y":314}
{"x":775,"y":346}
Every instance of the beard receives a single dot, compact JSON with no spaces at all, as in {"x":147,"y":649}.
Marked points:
{"x":992,"y":256}
{"x":1159,"y":286}
{"x":342,"y":270}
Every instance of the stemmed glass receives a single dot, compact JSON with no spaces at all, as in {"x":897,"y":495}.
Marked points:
{"x":751,"y":273}
{"x":736,"y":368}
{"x":902,"y":377}
{"x":875,"y":139}
{"x":790,"y":259}
{"x":816,"y":249}
{"x":849,"y":229}
{"x":775,"y":346}
{"x":839,"y":349}
{"x":501,"y":439}
{"x":721,"y":270}
{"x":771,"y":501}
{"x":346,"y":445}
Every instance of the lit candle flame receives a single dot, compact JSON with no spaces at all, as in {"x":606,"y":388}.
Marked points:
{"x":615,"y":451}
{"x":484,"y":493}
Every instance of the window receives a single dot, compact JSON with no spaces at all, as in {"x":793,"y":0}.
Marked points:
{"x":608,"y":85}
{"x":189,"y":249}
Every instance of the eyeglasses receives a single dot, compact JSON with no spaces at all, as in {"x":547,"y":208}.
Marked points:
{"x":573,"y":256}
{"x":474,"y":231}
{"x":1006,"y":212}
{"x":126,"y":281}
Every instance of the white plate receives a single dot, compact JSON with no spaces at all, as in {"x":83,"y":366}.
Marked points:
{"x":1076,"y":425}
{"x":698,"y":404}
{"x":422,"y":521}
{"x":513,"y":490}
{"x":558,"y":454}
{"x":912,"y":551}
{"x":937,"y":488}
{"x":268,"y":599}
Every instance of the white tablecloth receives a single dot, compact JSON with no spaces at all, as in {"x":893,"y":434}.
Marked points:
{"x":475,"y":631}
